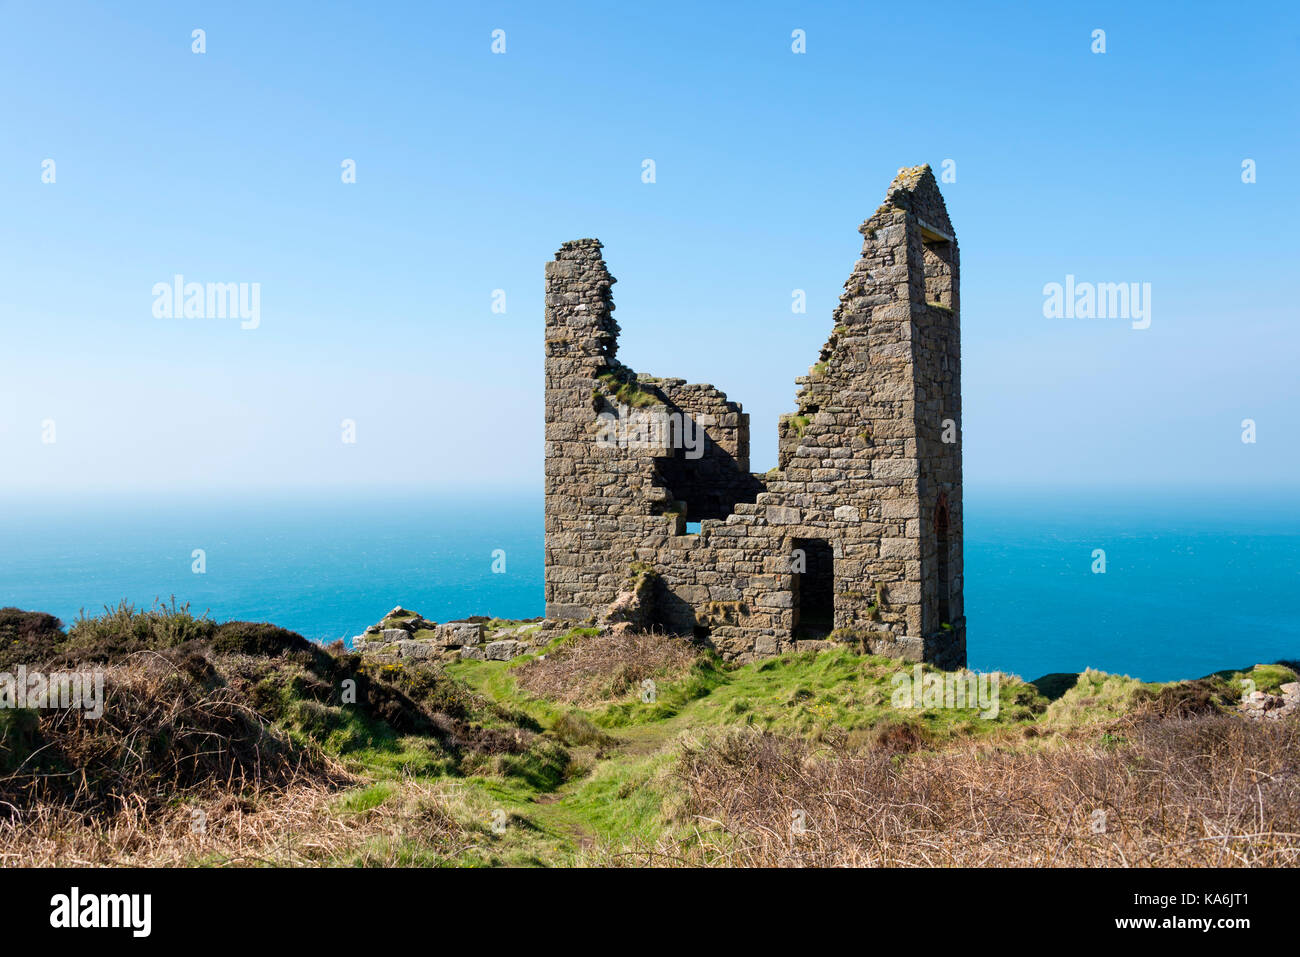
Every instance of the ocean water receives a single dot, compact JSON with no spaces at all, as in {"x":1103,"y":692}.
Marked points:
{"x":1193,"y":583}
{"x":324,"y":566}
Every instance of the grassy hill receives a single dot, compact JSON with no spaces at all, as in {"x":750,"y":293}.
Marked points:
{"x":244,"y":744}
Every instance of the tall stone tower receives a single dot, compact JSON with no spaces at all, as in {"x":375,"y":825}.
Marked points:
{"x":856,"y":535}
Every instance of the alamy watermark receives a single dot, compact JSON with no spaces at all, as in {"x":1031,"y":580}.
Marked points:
{"x":950,"y":689}
{"x":179,"y":299}
{"x":83,"y":691}
{"x":630,"y":429}
{"x":1101,"y":300}
{"x":74,"y":910}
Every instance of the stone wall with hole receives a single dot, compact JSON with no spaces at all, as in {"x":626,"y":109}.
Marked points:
{"x":869,"y":464}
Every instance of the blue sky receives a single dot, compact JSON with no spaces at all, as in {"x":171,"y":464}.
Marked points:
{"x":472,"y":168}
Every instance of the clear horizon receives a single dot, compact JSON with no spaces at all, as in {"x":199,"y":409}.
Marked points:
{"x":473,"y":167}
{"x":1191,"y":585}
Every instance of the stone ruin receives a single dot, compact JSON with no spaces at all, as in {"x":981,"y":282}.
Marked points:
{"x":652,"y":514}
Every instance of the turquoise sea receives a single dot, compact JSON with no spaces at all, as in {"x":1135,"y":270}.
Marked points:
{"x":1194,"y":582}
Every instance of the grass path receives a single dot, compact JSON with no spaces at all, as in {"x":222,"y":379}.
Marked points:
{"x":613,"y":799}
{"x":619,"y":794}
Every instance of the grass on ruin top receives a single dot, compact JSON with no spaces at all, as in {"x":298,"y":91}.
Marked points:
{"x":526,"y":626}
{"x":629,"y":392}
{"x":491,"y":626}
{"x":797,"y":423}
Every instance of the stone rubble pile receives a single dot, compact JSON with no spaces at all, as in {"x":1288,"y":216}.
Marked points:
{"x":404,"y":634}
{"x":1261,"y":704}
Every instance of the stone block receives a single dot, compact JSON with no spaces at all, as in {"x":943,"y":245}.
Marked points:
{"x":504,"y":650}
{"x":781,"y":515}
{"x":456,"y":634}
{"x":417,"y":650}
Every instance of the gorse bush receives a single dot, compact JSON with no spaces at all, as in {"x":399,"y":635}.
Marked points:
{"x":1188,"y":699}
{"x":166,"y":731}
{"x":124,"y":629}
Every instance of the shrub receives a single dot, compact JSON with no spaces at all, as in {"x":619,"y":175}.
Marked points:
{"x":164,"y":733}
{"x":899,"y":737}
{"x":256,"y":638}
{"x":123,"y":630}
{"x":28,"y":636}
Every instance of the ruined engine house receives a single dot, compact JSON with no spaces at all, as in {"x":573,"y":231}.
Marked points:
{"x":855,"y":535}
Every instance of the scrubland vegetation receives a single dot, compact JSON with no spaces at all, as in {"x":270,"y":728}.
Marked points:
{"x":241,"y":744}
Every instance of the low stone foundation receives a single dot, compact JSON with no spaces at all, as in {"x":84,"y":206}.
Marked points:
{"x":404,"y":634}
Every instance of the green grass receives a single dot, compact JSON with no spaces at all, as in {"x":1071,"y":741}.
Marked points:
{"x":628,"y":392}
{"x":797,"y":423}
{"x":622,"y":800}
{"x":816,"y":693}
{"x":601,"y":777}
{"x":1268,"y":678}
{"x":617,"y":790}
{"x":808,"y":693}
{"x":367,"y":799}
{"x":1095,"y":696}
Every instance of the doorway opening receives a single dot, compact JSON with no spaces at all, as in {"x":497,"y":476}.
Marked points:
{"x":813,"y":587}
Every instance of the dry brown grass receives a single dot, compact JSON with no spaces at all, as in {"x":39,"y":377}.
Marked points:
{"x":222,"y":744}
{"x":1206,"y":791}
{"x":167,"y":729}
{"x":608,"y":666}
{"x":303,"y":824}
